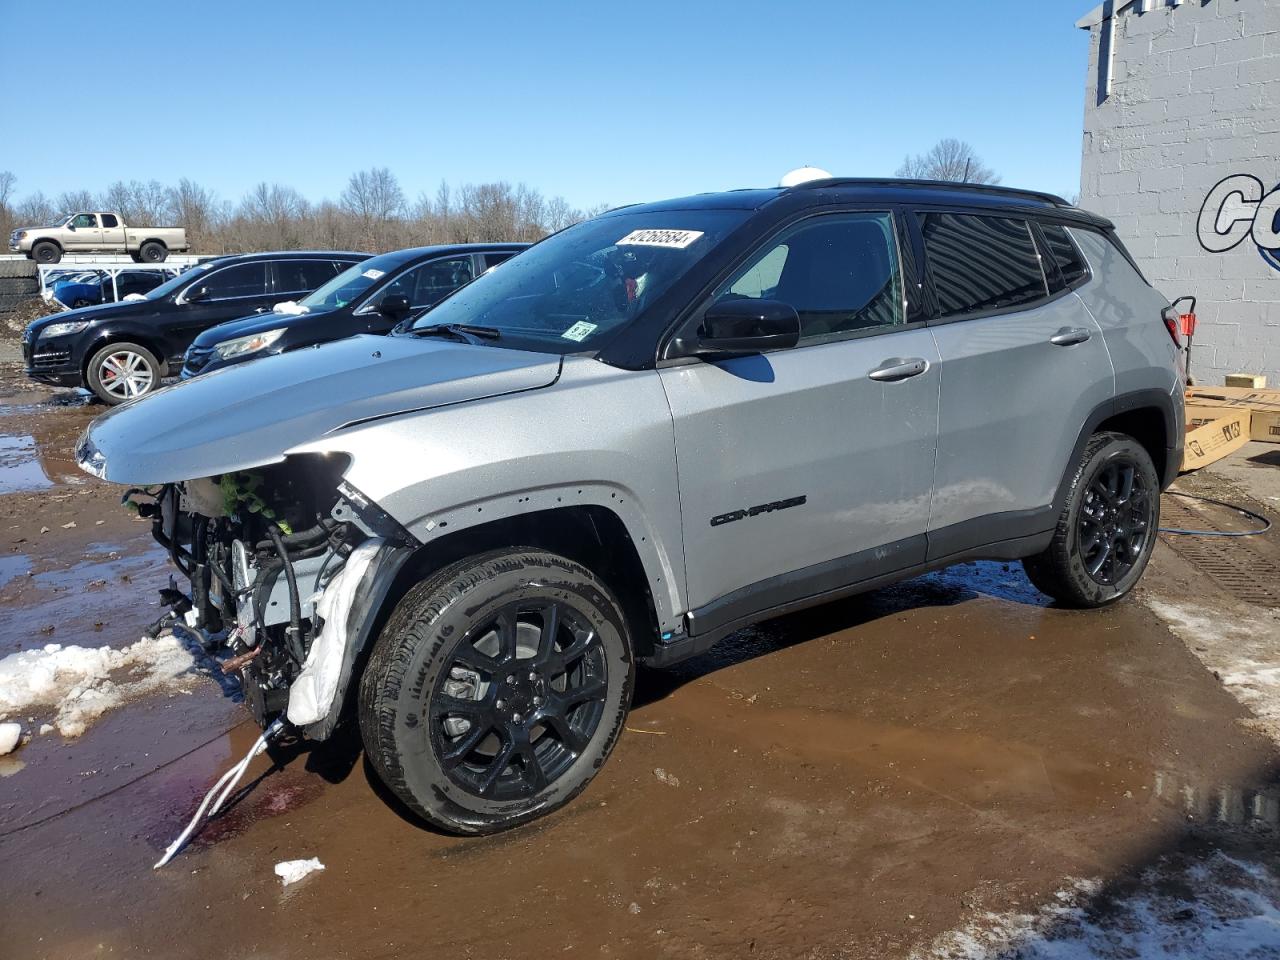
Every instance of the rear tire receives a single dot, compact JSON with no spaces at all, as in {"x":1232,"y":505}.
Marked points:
{"x":46,"y":252}
{"x":152,"y":252}
{"x":1107,"y":528}
{"x":122,"y":371}
{"x":497,"y":689}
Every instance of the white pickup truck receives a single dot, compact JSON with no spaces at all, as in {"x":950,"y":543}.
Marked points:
{"x":99,"y":232}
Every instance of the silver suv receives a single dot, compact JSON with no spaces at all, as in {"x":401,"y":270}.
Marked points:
{"x":640,"y":435}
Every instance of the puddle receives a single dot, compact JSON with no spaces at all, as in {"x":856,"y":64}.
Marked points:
{"x":14,"y":565}
{"x":20,"y":468}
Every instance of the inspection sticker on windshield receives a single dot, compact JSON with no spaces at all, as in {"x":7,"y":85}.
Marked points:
{"x":675,"y":239}
{"x":579,"y":331}
{"x":373,"y":274}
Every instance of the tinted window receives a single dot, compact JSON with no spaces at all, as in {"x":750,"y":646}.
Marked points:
{"x":109,"y":220}
{"x":242,"y":280}
{"x":841,"y":273}
{"x":302,"y":276}
{"x":1064,"y":253}
{"x":980,"y":263}
{"x":428,"y":283}
{"x":493,"y":259}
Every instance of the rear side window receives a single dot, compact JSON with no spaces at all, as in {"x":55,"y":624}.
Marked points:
{"x":1070,"y":263}
{"x":109,"y":220}
{"x":302,"y":276}
{"x":980,"y":264}
{"x":242,"y":280}
{"x":840,"y":272}
{"x":493,"y":259}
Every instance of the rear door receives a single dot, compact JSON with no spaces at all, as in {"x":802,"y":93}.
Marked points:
{"x":1023,"y":366}
{"x":112,"y":231}
{"x":802,"y":470}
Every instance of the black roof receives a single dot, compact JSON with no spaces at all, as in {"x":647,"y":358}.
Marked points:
{"x":288,"y":255}
{"x":446,"y":249}
{"x":885,"y":190}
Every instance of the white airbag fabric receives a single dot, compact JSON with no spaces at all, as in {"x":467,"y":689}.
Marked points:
{"x":312,"y":693}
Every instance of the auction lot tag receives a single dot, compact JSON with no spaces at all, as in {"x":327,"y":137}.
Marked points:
{"x":579,"y":331}
{"x":675,"y":239}
{"x":373,"y":274}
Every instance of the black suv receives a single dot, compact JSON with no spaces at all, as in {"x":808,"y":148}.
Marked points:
{"x":122,"y":350}
{"x":370,"y":297}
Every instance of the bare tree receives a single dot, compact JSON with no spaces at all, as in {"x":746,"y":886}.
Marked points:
{"x":375,"y":199}
{"x":371,"y":213}
{"x":74,"y":201}
{"x":196,"y":209}
{"x":948,"y":159}
{"x":35,"y":210}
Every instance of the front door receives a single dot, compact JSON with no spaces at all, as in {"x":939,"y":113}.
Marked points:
{"x":230,"y":293}
{"x":807,"y":469}
{"x":87,"y":235}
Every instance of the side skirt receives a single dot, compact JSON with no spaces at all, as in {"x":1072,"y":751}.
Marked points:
{"x":844,"y":577}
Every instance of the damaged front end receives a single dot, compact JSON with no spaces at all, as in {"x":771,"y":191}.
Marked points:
{"x":287,"y":565}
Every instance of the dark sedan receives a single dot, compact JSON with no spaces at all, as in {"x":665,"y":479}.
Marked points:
{"x":122,"y":350}
{"x":371,"y":297}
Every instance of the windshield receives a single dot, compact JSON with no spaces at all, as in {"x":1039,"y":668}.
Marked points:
{"x":350,"y":283}
{"x":172,"y":285}
{"x":573,"y":290}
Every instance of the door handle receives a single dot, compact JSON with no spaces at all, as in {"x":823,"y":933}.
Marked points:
{"x":1068,"y":336}
{"x":896,"y":368}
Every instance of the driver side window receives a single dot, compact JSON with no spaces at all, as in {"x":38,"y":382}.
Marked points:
{"x":840,"y":272}
{"x":84,"y":220}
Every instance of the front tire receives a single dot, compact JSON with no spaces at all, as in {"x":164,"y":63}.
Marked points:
{"x":46,"y":252}
{"x":1107,"y":529}
{"x":497,"y":689}
{"x":122,"y":371}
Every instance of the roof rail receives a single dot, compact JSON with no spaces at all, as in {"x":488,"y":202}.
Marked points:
{"x":1051,"y":199}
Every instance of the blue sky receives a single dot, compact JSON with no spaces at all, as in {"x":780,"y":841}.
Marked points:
{"x":601,"y":102}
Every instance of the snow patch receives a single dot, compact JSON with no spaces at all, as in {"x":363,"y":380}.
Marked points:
{"x":10,"y":734}
{"x":291,"y":871}
{"x":1212,"y":909}
{"x":1241,"y":649}
{"x":83,"y":683}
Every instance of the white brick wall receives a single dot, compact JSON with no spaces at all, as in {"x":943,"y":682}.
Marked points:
{"x":1195,"y":98}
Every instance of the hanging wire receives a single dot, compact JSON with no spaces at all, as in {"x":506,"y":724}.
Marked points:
{"x":1266,"y":524}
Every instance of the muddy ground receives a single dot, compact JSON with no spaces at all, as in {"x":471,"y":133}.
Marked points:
{"x":882,"y":777}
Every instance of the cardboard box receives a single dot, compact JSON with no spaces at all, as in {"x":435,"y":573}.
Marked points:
{"x":1251,"y":381}
{"x":1264,"y":405}
{"x":1213,"y":433}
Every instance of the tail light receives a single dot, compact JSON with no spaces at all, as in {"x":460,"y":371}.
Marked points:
{"x":1172,"y":323}
{"x":1185,"y":320}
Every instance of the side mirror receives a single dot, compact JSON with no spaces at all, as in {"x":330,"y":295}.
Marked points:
{"x":395,"y":305}
{"x":71,"y":226}
{"x":196,"y":294}
{"x":745,"y":327}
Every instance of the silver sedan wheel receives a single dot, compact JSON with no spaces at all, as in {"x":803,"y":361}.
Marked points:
{"x":125,"y":374}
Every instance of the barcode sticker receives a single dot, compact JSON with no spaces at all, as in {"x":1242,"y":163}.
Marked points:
{"x":675,"y":239}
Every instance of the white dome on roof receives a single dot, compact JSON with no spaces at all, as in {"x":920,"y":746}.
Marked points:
{"x":803,"y":175}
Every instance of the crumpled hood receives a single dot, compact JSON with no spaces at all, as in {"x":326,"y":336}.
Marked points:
{"x":254,"y":413}
{"x":247,"y":326}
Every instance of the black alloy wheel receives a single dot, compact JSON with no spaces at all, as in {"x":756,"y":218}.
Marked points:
{"x":523,"y":696}
{"x":1116,"y":519}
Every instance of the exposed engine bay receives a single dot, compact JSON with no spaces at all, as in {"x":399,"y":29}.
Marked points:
{"x":283,"y":564}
